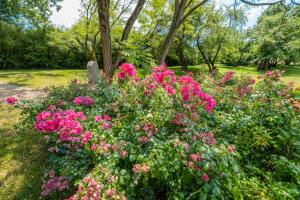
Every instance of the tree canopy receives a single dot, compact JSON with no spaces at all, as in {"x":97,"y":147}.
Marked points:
{"x":179,"y":32}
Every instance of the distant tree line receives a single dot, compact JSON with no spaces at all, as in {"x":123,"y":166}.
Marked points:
{"x":148,"y":32}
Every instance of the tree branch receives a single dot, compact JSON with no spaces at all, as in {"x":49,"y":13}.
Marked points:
{"x":294,"y":2}
{"x":192,"y":10}
{"x":261,"y":4}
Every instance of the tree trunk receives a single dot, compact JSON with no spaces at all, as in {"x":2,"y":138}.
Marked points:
{"x":267,"y":65}
{"x":180,"y":54}
{"x":127,"y":29}
{"x":259,"y":66}
{"x":287,"y":62}
{"x":168,"y":42}
{"x":182,"y":11}
{"x":103,"y":14}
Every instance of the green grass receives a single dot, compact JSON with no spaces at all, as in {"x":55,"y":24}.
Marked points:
{"x":41,"y":78}
{"x":23,"y":155}
{"x":22,"y":158}
{"x":292,"y":73}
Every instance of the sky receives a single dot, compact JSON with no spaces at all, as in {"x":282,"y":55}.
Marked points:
{"x":69,"y":13}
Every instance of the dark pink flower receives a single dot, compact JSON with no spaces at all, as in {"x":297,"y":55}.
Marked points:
{"x":228,"y":76}
{"x":83,"y":100}
{"x":87,"y":136}
{"x":205,"y":177}
{"x":51,"y":108}
{"x":111,"y":193}
{"x":98,"y":118}
{"x":11,"y":100}
{"x":106,"y":126}
{"x":127,"y":70}
{"x":231,"y":148}
{"x":123,"y":154}
{"x":107,"y":118}
{"x":269,"y":73}
{"x":144,"y":140}
{"x":93,"y":147}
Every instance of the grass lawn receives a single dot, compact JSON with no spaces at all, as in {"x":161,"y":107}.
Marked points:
{"x":22,"y":159}
{"x":292,"y":73}
{"x":41,"y":78}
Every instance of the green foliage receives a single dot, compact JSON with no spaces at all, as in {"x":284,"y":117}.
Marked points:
{"x":261,"y":121}
{"x":27,"y":13}
{"x":39,"y":48}
{"x":276,"y":36}
{"x":264,"y":127}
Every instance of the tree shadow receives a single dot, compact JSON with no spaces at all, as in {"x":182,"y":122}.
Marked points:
{"x":22,"y":160}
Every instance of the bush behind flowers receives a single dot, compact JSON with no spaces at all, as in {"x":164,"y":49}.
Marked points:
{"x":168,"y":137}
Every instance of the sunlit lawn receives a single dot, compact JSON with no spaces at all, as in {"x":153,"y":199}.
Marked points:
{"x":22,"y":158}
{"x":292,"y":73}
{"x":41,"y":78}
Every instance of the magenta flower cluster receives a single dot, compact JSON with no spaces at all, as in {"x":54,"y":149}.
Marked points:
{"x":104,"y":121}
{"x":140,"y":168}
{"x":11,"y":100}
{"x":65,"y":123}
{"x":160,"y":76}
{"x":150,"y":130}
{"x":191,"y":88}
{"x":228,"y":76}
{"x":93,"y":189}
{"x":83,"y":100}
{"x":206,"y":138}
{"x":59,"y":183}
{"x":127,"y":70}
{"x":245,"y":88}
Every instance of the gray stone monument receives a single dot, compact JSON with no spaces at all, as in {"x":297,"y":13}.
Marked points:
{"x":93,"y":72}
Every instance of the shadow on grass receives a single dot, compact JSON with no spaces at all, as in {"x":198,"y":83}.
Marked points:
{"x":293,"y":70}
{"x":22,"y":159}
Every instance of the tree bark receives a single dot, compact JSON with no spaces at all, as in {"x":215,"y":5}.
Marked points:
{"x":103,"y":14}
{"x":181,"y":13}
{"x":127,"y":30}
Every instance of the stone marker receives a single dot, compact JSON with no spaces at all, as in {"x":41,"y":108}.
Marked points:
{"x":93,"y":72}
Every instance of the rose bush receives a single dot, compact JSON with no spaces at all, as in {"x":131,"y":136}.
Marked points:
{"x":170,"y":137}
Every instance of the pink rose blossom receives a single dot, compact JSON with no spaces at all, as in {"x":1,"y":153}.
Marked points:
{"x":107,"y":118}
{"x":231,"y":148}
{"x":123,"y":154}
{"x":205,"y":177}
{"x":11,"y":100}
{"x":98,"y":118}
{"x":106,"y":126}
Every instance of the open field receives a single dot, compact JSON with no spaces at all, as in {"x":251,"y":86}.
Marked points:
{"x":292,"y":73}
{"x":40,"y":78}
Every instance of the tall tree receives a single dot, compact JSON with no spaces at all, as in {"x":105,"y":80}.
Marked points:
{"x":103,"y":13}
{"x":27,"y":13}
{"x":103,"y":9}
{"x":275,"y":38}
{"x":213,"y":29}
{"x":127,"y":30}
{"x":182,"y":10}
{"x":87,"y":25}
